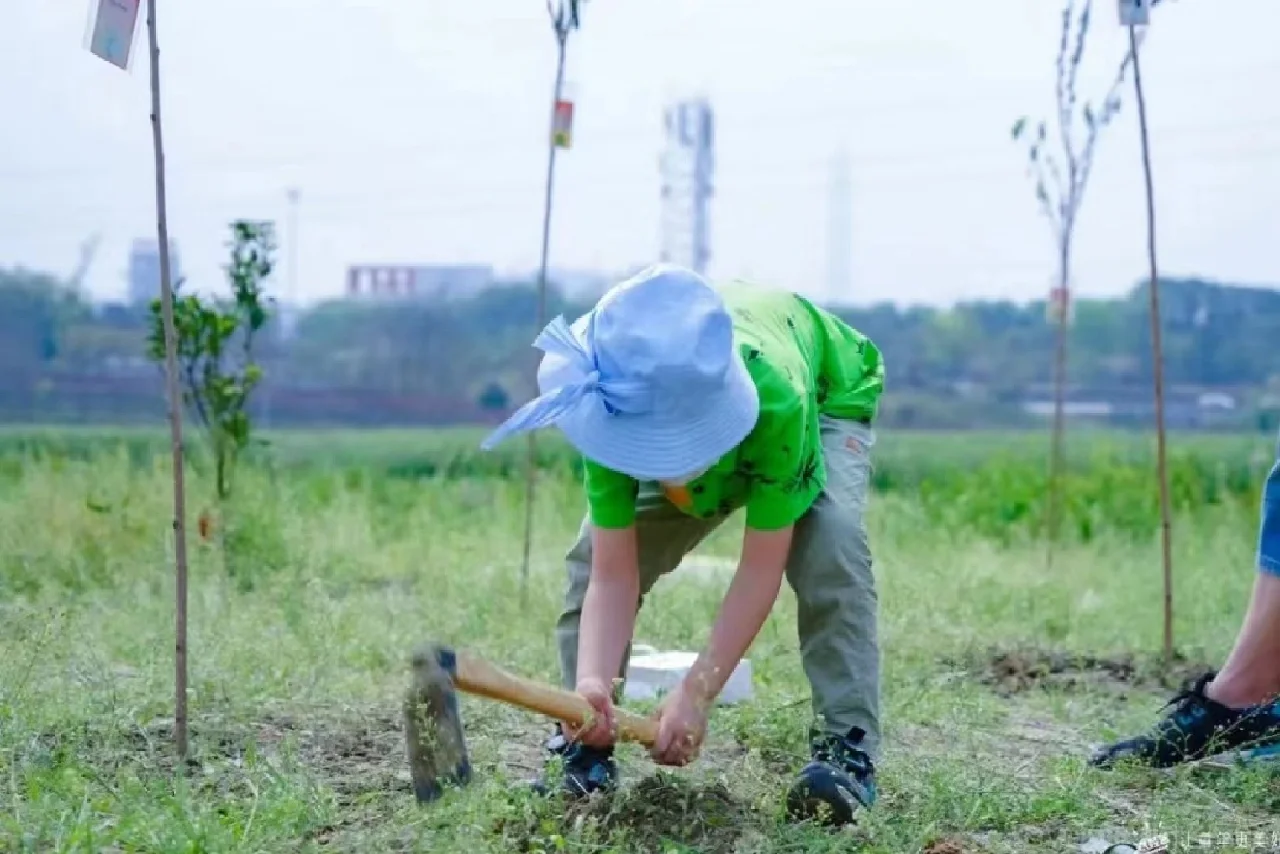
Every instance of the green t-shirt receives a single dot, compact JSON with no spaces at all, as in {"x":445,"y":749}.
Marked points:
{"x":805,"y":362}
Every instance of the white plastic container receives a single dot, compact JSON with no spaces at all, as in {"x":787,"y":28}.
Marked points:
{"x":651,"y":673}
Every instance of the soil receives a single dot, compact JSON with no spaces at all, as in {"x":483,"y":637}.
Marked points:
{"x":151,"y":745}
{"x":354,"y":756}
{"x":658,"y":811}
{"x":359,"y":758}
{"x":1018,"y":670}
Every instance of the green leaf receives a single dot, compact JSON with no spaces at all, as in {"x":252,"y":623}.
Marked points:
{"x":209,"y":330}
{"x":1018,"y":127}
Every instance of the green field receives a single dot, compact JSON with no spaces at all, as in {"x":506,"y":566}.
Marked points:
{"x":349,"y":548}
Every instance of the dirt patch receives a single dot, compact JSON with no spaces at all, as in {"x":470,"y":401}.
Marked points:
{"x":944,"y":846}
{"x":358,"y":757}
{"x":355,"y":756}
{"x":656,"y":812}
{"x":1019,"y":743}
{"x":1023,"y":669}
{"x":112,"y":746}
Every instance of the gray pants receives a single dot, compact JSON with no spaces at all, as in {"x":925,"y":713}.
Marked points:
{"x":829,"y":569}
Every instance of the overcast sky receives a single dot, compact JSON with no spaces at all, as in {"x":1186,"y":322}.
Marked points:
{"x":416,"y":133}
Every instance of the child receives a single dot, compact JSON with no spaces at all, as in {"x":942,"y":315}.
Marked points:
{"x":689,"y":402}
{"x":1235,"y":709}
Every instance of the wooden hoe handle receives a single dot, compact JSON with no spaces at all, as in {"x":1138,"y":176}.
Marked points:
{"x":477,"y":676}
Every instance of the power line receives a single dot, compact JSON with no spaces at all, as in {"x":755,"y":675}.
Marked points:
{"x":947,"y":158}
{"x":1012,"y":270}
{"x":596,"y":138}
{"x":994,"y":281}
{"x":372,"y":204}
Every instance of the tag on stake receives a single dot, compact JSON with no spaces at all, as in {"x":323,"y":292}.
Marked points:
{"x":562,"y":126}
{"x":1059,"y":307}
{"x":1135,"y":13}
{"x":113,"y":28}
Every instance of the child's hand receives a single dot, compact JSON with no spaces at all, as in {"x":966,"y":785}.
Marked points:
{"x":600,"y":731}
{"x":682,"y":724}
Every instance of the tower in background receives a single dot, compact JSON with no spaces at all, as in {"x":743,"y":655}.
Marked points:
{"x":144,"y":269}
{"x":839,"y":229}
{"x":687,"y":166}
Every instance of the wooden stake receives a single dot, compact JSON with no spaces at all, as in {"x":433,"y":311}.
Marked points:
{"x":175,"y":405}
{"x":562,"y":20}
{"x":1157,"y":358}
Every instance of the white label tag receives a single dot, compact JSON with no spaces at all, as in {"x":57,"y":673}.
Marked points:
{"x":114,"y":25}
{"x":1135,"y":13}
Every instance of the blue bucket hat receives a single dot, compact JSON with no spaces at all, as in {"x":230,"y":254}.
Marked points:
{"x":649,"y":383}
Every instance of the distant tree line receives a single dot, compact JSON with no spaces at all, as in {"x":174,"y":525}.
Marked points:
{"x":359,"y":363}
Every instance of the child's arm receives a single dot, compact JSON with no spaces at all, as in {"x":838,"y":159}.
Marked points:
{"x":746,"y":605}
{"x":608,"y":619}
{"x":683,"y":716}
{"x":609,"y":609}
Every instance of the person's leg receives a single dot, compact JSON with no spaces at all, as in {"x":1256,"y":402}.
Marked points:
{"x":830,"y":570}
{"x":664,"y":536}
{"x":1251,"y":674}
{"x":1235,"y":708}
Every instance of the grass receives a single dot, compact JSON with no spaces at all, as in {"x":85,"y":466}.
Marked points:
{"x":909,"y":456}
{"x":971,"y":483}
{"x":299,"y":662}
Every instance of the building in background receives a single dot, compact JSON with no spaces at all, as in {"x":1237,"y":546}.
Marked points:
{"x":144,"y":269}
{"x":579,"y":285}
{"x":687,"y":167}
{"x":287,"y":315}
{"x":434,"y":283}
{"x":585,"y":286}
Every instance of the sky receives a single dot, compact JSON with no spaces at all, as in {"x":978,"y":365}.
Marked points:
{"x":417,"y":133}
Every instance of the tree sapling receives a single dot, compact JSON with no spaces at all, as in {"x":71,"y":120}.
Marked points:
{"x":1060,"y":156}
{"x":215,"y":355}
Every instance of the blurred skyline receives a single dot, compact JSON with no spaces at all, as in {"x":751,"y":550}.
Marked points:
{"x":417,"y":134}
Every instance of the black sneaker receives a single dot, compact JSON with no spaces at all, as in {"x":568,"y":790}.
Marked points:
{"x":576,"y":769}
{"x":839,"y":779}
{"x":1196,"y":728}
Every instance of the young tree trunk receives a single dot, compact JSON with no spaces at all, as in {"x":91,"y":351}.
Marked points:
{"x":223,"y":486}
{"x":1057,"y":453}
{"x":220,"y":502}
{"x":175,"y":404}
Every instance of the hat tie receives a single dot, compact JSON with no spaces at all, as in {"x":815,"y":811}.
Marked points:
{"x":617,"y":395}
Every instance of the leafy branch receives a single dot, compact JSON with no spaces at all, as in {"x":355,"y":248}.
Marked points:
{"x":1061,"y":177}
{"x":215,"y":340}
{"x":565,"y":17}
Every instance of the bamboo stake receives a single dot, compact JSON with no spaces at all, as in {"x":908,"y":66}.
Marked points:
{"x":564,"y":19}
{"x":1157,"y":357}
{"x":175,"y":404}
